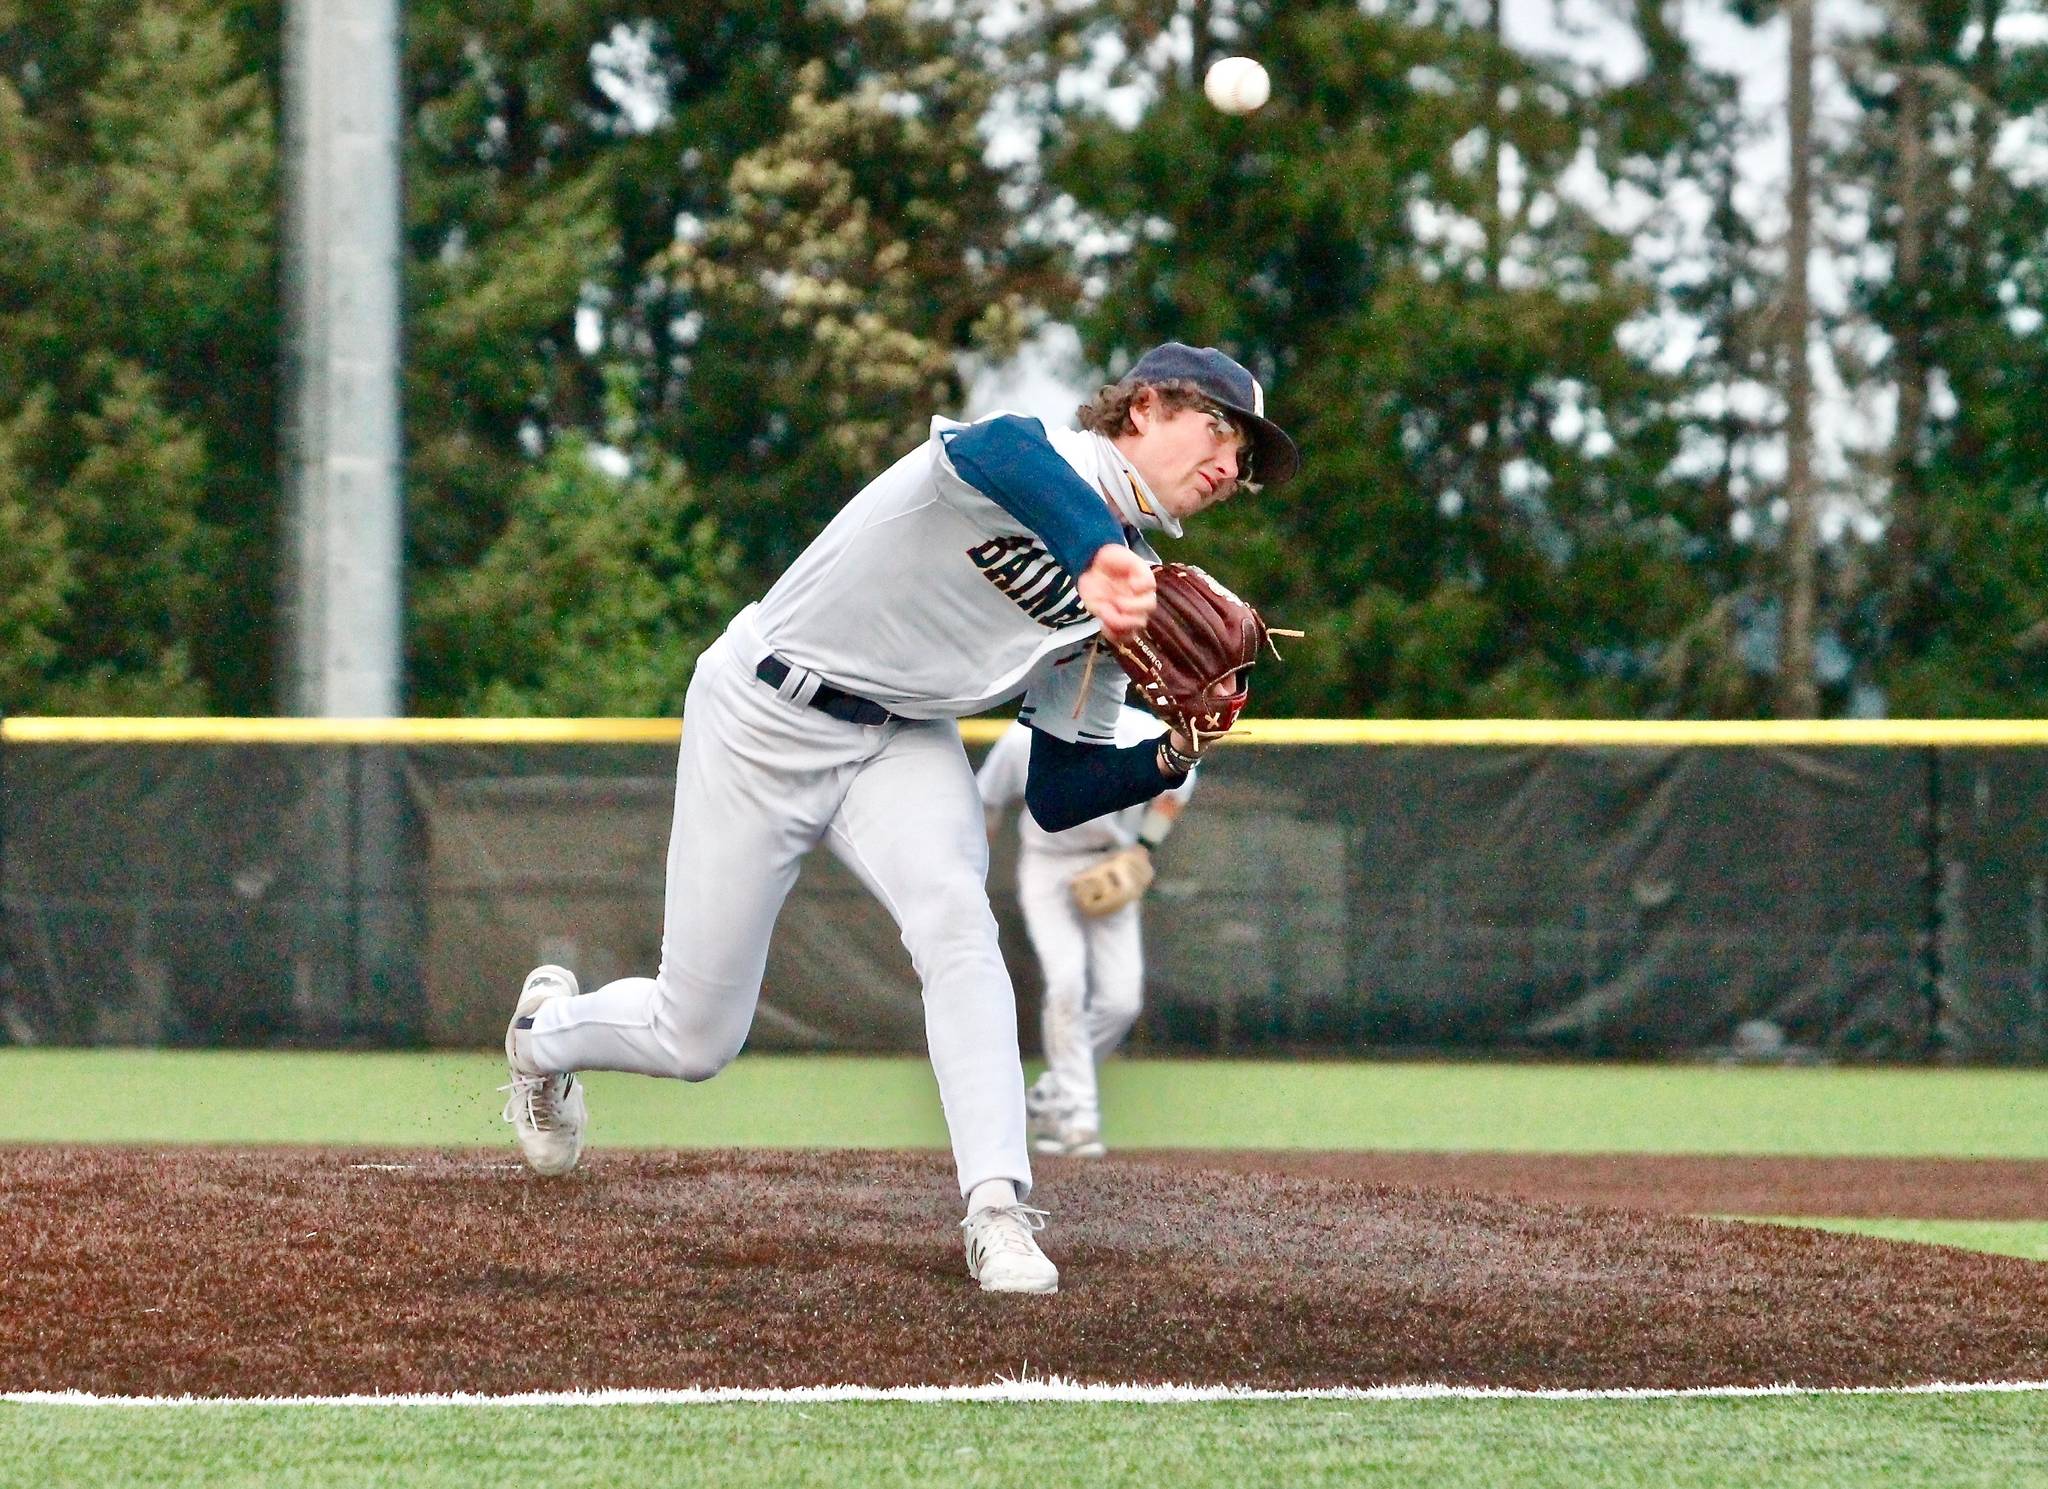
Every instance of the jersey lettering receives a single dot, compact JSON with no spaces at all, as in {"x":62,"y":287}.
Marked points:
{"x":1022,"y":569}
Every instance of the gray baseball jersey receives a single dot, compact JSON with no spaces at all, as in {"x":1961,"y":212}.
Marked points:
{"x":927,"y":597}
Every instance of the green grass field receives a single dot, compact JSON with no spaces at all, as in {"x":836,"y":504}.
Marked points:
{"x":1792,"y":1442}
{"x":447,"y":1100}
{"x":2024,"y":1238}
{"x":149,"y":1096}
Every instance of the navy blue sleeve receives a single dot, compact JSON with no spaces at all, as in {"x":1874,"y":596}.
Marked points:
{"x":1069,"y":784}
{"x":1009,"y":460}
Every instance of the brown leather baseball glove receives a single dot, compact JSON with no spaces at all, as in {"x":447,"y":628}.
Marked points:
{"x":1190,"y":661}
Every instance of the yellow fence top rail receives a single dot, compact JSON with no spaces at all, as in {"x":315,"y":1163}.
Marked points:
{"x":33,"y":730}
{"x":1610,"y":733}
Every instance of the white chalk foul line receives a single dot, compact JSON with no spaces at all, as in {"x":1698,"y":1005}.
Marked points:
{"x":1052,"y":1388}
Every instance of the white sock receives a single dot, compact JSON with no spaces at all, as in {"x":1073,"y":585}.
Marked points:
{"x":991,"y":1192}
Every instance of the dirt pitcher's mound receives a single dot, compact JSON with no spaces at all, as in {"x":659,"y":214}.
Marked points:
{"x":1679,"y":1183}
{"x":317,"y":1272}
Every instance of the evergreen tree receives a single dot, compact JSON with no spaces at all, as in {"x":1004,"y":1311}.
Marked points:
{"x":35,"y":570}
{"x":1392,"y":243}
{"x":853,"y":260}
{"x":1956,"y":612}
{"x":1725,"y":299}
{"x":770,"y":229}
{"x":596,"y":598}
{"x":138,"y":352}
{"x":550,"y":154}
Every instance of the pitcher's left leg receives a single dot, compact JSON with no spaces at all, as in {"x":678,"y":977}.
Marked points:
{"x":911,"y":827}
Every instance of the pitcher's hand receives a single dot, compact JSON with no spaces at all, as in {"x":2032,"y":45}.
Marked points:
{"x":1118,"y":590}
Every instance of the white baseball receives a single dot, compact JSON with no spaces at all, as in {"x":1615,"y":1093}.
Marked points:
{"x":1237,"y":85}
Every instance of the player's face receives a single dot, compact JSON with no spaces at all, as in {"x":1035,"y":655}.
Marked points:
{"x":1190,"y":457}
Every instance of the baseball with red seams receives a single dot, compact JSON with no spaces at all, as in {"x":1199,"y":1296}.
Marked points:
{"x":1237,"y":85}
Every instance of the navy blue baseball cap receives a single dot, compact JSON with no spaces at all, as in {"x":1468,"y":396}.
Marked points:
{"x":1274,"y":457}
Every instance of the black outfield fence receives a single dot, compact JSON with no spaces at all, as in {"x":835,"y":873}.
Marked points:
{"x":1837,"y":890}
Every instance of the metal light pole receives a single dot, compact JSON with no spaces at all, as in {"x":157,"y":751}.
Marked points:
{"x":343,"y":515}
{"x":342,"y":603}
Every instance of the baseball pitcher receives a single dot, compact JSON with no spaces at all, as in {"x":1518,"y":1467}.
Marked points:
{"x":993,"y":560}
{"x":1080,"y":891}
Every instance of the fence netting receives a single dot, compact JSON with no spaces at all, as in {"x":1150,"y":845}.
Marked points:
{"x":1828,"y":902}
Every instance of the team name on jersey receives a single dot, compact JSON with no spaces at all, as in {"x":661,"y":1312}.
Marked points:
{"x":1032,"y":578}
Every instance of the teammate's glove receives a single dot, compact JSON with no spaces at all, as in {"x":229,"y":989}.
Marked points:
{"x":1189,"y":662}
{"x":1119,"y":880}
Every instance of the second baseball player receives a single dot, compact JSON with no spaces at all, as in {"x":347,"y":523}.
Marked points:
{"x":1080,"y":891}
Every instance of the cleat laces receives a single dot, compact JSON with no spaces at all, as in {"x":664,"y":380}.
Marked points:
{"x":534,"y":1103}
{"x":1005,"y":1229}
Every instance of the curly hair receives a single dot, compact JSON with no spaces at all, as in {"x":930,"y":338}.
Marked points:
{"x":1108,"y":413}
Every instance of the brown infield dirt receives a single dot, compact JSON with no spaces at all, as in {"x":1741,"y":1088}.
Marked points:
{"x":295,"y":1271}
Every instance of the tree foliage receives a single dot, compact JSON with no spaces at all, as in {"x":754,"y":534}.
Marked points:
{"x":679,"y":279}
{"x":770,"y":230}
{"x":596,"y":597}
{"x":1483,"y":524}
{"x":1955,"y":610}
{"x":137,"y":366}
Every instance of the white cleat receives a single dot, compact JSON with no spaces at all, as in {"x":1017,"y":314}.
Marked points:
{"x":1042,"y":1114}
{"x":1073,"y":1139}
{"x":1001,"y":1254}
{"x":546,"y":1111}
{"x":1056,"y":1129}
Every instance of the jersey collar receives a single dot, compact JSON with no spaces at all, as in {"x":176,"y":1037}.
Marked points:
{"x":1134,"y":500}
